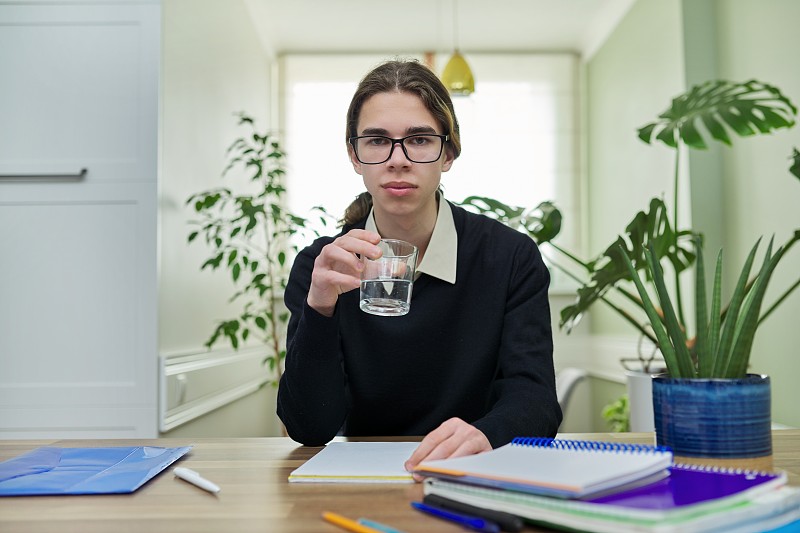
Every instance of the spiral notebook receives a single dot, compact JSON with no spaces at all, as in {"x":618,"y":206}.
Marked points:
{"x":555,"y":467}
{"x":691,"y":498}
{"x":689,"y":485}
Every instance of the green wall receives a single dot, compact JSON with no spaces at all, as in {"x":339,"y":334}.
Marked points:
{"x":737,"y":194}
{"x":629,"y":81}
{"x":760,"y":39}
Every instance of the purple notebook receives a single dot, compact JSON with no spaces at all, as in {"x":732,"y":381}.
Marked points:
{"x":692,"y":484}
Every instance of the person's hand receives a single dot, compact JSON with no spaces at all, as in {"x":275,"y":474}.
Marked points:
{"x":337,"y":269}
{"x":454,"y":438}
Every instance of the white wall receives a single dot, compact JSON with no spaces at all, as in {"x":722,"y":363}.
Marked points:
{"x":213,"y":67}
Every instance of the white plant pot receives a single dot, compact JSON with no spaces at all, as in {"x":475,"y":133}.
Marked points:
{"x":640,"y":400}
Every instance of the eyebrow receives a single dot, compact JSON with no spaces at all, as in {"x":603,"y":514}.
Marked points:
{"x":409,"y":131}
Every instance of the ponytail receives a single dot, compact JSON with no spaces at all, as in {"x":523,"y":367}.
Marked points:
{"x":358,"y":209}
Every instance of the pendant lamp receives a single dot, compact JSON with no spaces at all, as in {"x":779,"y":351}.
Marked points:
{"x":457,"y":76}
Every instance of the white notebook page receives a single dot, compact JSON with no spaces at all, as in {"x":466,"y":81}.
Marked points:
{"x":357,"y":462}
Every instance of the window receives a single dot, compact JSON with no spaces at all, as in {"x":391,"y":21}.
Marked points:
{"x":519,"y":132}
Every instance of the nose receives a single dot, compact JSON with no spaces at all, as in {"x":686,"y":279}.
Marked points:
{"x":398,"y":156}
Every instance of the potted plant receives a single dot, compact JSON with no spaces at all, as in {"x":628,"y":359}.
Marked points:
{"x":707,"y":404}
{"x":722,"y":108}
{"x":250,"y":236}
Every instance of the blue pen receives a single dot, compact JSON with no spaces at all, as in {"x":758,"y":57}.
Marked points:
{"x":377,"y":525}
{"x":472,"y":522}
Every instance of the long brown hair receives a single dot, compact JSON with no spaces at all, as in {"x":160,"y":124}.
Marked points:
{"x":408,"y":76}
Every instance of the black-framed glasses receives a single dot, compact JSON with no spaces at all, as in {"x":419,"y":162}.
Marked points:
{"x":418,"y":148}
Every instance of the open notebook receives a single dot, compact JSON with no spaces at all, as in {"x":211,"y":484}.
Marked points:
{"x":561,"y":468}
{"x":357,"y":462}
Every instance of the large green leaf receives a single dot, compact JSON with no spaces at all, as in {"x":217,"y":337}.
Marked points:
{"x":702,"y":339}
{"x":542,"y":223}
{"x":647,"y":228}
{"x":728,"y":333}
{"x":749,"y":317}
{"x":720,"y":107}
{"x":664,"y":342}
{"x":675,"y":329}
{"x":706,"y":360}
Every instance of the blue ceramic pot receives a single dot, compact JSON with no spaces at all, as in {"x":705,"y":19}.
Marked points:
{"x":717,"y":418}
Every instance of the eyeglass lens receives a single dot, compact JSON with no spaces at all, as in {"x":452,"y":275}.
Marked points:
{"x":418,"y":148}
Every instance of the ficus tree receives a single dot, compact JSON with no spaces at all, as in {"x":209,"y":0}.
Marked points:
{"x":251,"y":236}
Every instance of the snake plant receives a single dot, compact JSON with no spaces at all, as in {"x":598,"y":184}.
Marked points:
{"x":724,"y":337}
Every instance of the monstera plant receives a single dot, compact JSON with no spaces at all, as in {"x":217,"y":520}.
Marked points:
{"x":719,"y":109}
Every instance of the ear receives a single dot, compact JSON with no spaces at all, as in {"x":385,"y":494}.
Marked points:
{"x":448,"y":158}
{"x":353,"y":159}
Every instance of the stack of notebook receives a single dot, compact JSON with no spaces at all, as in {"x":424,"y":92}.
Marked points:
{"x":608,"y":487}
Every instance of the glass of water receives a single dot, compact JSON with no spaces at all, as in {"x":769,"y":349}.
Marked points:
{"x":386,"y":282}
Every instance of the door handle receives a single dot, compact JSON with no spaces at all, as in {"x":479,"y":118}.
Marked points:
{"x":46,"y":176}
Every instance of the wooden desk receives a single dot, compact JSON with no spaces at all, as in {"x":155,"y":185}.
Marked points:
{"x":255,"y":494}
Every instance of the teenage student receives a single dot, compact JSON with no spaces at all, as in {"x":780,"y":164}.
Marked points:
{"x":470,"y":366}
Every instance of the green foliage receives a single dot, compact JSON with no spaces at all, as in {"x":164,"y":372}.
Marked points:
{"x":650,"y":228}
{"x":746,"y":108}
{"x":618,"y":415}
{"x":723,"y":337}
{"x":249,"y":236}
{"x":543,"y":222}
{"x":723,"y":343}
{"x":607,"y":270}
{"x":717,"y":109}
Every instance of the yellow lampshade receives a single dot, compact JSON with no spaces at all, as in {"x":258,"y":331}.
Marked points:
{"x":457,"y":76}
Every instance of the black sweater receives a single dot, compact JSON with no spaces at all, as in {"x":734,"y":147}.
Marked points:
{"x":480,"y":349}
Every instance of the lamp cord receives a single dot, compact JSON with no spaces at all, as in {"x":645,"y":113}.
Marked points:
{"x":455,"y":24}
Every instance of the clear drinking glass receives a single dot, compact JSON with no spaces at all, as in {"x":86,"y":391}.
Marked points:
{"x":386,"y":282}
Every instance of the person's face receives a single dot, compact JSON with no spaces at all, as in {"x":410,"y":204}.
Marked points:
{"x":398,"y":186}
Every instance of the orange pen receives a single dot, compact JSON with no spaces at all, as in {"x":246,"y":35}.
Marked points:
{"x":346,"y":523}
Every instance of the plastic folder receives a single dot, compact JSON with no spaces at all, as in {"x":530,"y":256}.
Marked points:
{"x":118,"y":470}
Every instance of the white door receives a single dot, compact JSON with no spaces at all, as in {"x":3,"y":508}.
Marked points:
{"x":78,"y":191}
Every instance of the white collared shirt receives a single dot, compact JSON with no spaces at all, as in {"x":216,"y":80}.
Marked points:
{"x":442,"y":253}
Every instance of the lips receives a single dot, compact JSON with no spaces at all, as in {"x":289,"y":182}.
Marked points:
{"x":399,"y":188}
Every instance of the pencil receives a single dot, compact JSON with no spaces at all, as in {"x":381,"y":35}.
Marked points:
{"x":346,"y":523}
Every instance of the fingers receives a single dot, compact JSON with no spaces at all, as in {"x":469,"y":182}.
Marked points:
{"x":337,"y":269}
{"x":453,"y":438}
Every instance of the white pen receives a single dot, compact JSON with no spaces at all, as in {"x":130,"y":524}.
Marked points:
{"x":195,"y":479}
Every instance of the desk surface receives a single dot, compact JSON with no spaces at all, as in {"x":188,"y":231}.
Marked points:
{"x":255,"y":493}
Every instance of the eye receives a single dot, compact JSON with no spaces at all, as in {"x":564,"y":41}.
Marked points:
{"x":377,"y":141}
{"x":419,"y":140}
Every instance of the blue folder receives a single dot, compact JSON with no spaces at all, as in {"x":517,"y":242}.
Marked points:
{"x":117,"y":470}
